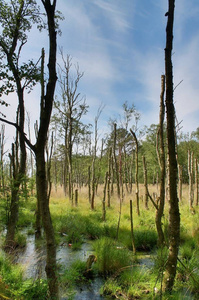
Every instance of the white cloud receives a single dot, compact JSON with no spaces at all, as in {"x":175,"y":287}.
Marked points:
{"x":115,"y":13}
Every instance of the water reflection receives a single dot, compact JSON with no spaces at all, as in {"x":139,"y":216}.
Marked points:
{"x":33,"y":259}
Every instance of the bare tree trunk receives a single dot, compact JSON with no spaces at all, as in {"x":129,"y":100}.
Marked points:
{"x":190,"y":172}
{"x":132,"y":231}
{"x":161,"y":160}
{"x":121,"y":174}
{"x":2,"y":141}
{"x":180,"y":183}
{"x":76,"y":197}
{"x":89,"y":184}
{"x":115,"y":162}
{"x":196,"y":180}
{"x":136,"y":171}
{"x":174,"y":214}
{"x":93,"y":180}
{"x":145,"y":183}
{"x":109,"y":178}
{"x":14,"y":205}
{"x":104,"y":198}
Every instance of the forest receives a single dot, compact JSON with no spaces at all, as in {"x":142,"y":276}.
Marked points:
{"x":86,"y":216}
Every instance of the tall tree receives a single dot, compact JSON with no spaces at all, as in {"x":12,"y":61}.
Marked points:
{"x":46,"y":104}
{"x":16,"y":20}
{"x":174,"y":215}
{"x":71,"y":107}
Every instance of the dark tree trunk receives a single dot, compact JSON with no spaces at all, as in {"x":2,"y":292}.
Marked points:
{"x":43,"y":200}
{"x":39,"y":149}
{"x":174,"y":215}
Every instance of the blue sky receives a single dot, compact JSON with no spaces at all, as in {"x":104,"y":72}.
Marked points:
{"x":119,"y":45}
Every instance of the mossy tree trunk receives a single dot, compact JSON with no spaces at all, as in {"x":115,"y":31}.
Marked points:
{"x":174,"y":214}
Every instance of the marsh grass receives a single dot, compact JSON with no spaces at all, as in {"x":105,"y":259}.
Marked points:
{"x":111,"y":256}
{"x":75,"y":225}
{"x":74,"y":274}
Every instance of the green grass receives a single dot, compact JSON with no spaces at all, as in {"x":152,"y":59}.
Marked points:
{"x":15,"y":287}
{"x":75,"y":225}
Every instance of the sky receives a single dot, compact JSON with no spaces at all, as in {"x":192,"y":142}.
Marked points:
{"x":119,"y":45}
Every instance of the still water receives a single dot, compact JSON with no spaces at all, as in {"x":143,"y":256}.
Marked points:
{"x":33,"y":257}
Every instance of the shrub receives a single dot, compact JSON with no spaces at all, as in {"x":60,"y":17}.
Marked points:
{"x":33,"y":290}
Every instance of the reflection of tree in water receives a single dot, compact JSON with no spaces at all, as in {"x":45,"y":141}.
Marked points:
{"x":40,"y":259}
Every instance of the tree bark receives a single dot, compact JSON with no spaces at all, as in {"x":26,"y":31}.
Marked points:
{"x":115,"y":162}
{"x":190,"y":172}
{"x":39,"y":149}
{"x":132,"y":231}
{"x":136,"y":171}
{"x":104,"y":198}
{"x":145,"y":183}
{"x":196,"y":180}
{"x":180,"y":183}
{"x":161,"y":160}
{"x":174,"y":215}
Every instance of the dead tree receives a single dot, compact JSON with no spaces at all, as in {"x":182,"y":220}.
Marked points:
{"x":115,"y":162}
{"x":136,"y":171}
{"x":161,"y":159}
{"x":191,"y":177}
{"x":174,"y":214}
{"x":196,"y":180}
{"x":145,"y":182}
{"x":180,"y":182}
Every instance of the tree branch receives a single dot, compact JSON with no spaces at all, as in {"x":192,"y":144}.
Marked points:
{"x":32,"y":147}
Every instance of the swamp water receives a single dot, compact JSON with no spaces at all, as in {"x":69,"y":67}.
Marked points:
{"x":33,"y":258}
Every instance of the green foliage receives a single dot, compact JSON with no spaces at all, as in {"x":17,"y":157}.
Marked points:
{"x":30,"y":290}
{"x":18,"y":288}
{"x":20,"y":239}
